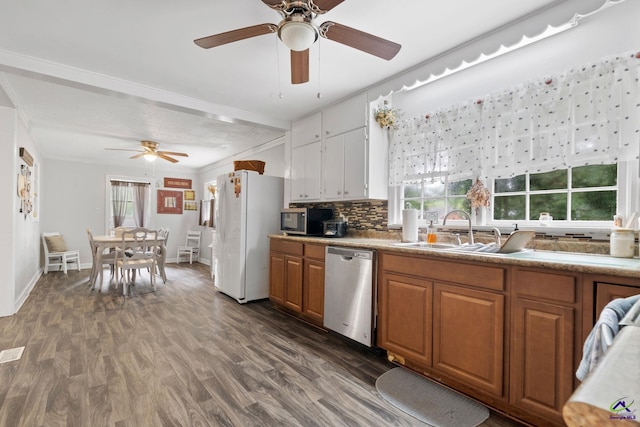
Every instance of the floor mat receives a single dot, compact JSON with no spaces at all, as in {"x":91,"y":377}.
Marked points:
{"x":428,"y":401}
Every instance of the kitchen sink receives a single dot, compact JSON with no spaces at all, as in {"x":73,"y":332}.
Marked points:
{"x":425,"y":245}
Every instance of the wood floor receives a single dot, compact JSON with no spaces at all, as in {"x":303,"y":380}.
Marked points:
{"x":184,"y":355}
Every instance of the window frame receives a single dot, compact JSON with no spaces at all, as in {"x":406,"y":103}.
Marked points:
{"x":628,"y":185}
{"x":108,"y":207}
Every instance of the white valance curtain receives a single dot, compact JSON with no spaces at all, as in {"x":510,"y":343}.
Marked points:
{"x":587,"y":115}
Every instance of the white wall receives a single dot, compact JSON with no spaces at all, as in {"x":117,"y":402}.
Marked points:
{"x":74,"y":198}
{"x":612,"y":31}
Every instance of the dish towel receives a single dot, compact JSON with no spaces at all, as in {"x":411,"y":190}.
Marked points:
{"x":609,"y":318}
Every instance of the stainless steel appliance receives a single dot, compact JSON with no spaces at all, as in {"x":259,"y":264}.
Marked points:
{"x":334,"y":228}
{"x":348,"y":293}
{"x":305,"y":221}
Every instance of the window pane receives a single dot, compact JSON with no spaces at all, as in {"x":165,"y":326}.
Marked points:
{"x":412,"y":204}
{"x":460,"y":203}
{"x":548,"y":181}
{"x":412,"y":190}
{"x":433,"y":189}
{"x":436,"y":205}
{"x":555,"y":204}
{"x":509,"y":185}
{"x":509,"y":208}
{"x":593,"y":206}
{"x":594,"y":176}
{"x":459,"y":188}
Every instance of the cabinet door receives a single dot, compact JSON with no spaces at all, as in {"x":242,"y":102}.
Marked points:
{"x":404,"y":316}
{"x":293,"y":283}
{"x":606,"y":292}
{"x":313,"y":290}
{"x":468,"y":336}
{"x":277,"y":278}
{"x":355,"y":159}
{"x":305,"y":172}
{"x":334,"y":168}
{"x":345,"y":116}
{"x":542,"y":357}
{"x":306,"y":130}
{"x":298,"y":173}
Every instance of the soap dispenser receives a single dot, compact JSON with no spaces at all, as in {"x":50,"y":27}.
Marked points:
{"x":431,"y":233}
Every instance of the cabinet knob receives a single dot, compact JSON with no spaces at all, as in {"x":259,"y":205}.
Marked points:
{"x":327,"y":132}
{"x":339,"y":192}
{"x":301,"y":196}
{"x":346,"y":192}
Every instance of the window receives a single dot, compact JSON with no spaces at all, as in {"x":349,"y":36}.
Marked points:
{"x":128,"y":203}
{"x":585,"y":193}
{"x":439,"y":196}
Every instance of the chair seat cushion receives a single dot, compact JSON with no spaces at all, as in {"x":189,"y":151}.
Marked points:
{"x":56,"y":243}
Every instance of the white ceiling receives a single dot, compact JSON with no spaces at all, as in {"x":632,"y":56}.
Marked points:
{"x":88,"y":75}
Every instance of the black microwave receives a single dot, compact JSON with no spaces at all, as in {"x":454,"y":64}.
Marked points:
{"x":306,"y":221}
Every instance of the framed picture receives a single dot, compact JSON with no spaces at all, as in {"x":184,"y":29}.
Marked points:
{"x":177,"y":183}
{"x":169,"y":202}
{"x":189,"y":195}
{"x":190,"y":206}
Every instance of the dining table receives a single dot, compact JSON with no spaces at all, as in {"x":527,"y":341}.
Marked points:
{"x":102,"y":243}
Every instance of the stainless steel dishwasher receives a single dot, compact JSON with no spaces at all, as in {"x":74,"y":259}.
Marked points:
{"x":348,"y":293}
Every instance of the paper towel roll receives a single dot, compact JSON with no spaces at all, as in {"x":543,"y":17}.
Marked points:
{"x":409,"y":225}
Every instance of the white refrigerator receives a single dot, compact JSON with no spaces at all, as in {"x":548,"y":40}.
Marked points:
{"x":249,"y":206}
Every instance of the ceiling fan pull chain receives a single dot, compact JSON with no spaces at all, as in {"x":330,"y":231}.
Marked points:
{"x":319,"y":95}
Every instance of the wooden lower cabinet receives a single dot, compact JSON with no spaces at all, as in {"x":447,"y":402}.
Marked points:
{"x":606,"y":292}
{"x":544,"y":344}
{"x":405,"y":316}
{"x":296,"y":278}
{"x":468,"y":336}
{"x":313,"y":290}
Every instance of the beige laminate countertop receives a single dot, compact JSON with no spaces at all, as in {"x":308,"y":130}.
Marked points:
{"x":568,"y":261}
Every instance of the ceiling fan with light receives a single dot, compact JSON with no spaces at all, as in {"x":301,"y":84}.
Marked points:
{"x":150,"y":152}
{"x":298,"y":32}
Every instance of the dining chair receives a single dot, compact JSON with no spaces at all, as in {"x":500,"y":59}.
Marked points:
{"x":107,"y":259}
{"x":191,"y":246}
{"x":56,"y":253}
{"x":163,"y":236}
{"x":138,"y":250}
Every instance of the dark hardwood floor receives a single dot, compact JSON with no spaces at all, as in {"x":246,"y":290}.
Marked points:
{"x":184,"y":355}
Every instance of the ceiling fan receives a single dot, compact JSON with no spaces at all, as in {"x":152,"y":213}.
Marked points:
{"x":150,"y":152}
{"x":298,"y":32}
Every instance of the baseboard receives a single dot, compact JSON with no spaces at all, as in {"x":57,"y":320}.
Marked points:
{"x":27,"y":291}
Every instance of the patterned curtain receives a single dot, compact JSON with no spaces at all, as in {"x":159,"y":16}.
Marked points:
{"x":140,"y":198}
{"x":586,"y":115}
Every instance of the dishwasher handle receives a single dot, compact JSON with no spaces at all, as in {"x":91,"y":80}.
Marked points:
{"x":348,"y":254}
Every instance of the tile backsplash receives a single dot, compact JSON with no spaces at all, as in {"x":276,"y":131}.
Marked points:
{"x":367,"y":215}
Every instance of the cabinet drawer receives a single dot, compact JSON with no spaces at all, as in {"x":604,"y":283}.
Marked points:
{"x":294,"y":248}
{"x":449,"y":271}
{"x":557,"y":287}
{"x":314,"y":251}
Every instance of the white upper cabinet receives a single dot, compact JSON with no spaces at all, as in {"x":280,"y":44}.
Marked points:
{"x":345,"y":166}
{"x":306,"y":130}
{"x":345,"y":116}
{"x":306,"y":170}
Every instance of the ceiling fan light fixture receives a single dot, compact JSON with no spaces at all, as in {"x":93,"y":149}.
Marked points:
{"x":297,"y":33}
{"x":150,"y":157}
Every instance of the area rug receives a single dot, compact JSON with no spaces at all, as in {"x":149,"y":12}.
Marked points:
{"x":428,"y":401}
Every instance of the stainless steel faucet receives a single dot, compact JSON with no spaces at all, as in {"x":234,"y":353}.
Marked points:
{"x":497,"y":234}
{"x":463,"y":213}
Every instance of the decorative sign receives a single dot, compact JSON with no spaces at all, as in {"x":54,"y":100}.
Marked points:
{"x":24,"y":155}
{"x":190,"y":206}
{"x":177,"y":183}
{"x":189,"y":195}
{"x":169,"y":202}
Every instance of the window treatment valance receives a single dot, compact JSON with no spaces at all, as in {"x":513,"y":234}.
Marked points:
{"x":586,"y":115}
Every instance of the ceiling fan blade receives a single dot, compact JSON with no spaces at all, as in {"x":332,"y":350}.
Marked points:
{"x":360,"y":40}
{"x":276,"y":4}
{"x":323,"y":6}
{"x":137,"y":156}
{"x":173,"y":153}
{"x":121,"y":149}
{"x":299,"y":66}
{"x":164,"y":156}
{"x":235,"y":35}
